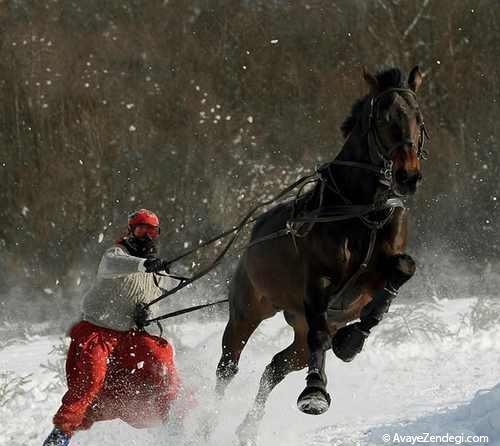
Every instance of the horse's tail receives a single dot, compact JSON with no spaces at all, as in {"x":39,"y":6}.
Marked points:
{"x":240,"y":292}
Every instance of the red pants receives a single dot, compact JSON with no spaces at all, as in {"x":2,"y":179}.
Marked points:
{"x":113,"y":374}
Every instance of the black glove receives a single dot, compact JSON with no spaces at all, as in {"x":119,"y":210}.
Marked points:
{"x":155,"y":265}
{"x":141,"y":315}
{"x":349,"y":341}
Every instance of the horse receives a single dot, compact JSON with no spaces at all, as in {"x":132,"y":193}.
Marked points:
{"x":336,"y":253}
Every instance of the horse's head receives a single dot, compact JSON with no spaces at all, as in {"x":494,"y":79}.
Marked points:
{"x":395,"y":128}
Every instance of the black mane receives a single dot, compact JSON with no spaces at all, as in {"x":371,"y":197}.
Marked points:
{"x":386,"y":78}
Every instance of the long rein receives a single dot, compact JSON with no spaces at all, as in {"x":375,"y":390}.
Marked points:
{"x":236,"y":230}
{"x":378,"y":152}
{"x":327,"y":215}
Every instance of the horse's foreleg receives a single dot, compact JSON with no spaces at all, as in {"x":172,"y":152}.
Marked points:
{"x":349,"y":340}
{"x":400,"y":269}
{"x":293,"y":358}
{"x":315,"y":399}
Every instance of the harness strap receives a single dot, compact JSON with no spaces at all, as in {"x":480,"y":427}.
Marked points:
{"x":184,"y":311}
{"x":345,"y":212}
{"x":366,"y":166}
{"x":362,"y":268}
{"x":265,"y":238}
{"x":359,"y":212}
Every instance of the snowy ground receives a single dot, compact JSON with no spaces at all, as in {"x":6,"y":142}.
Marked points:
{"x":418,"y":374}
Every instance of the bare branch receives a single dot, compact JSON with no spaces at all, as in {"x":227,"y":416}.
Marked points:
{"x":416,"y":19}
{"x":379,"y":40}
{"x":390,"y":13}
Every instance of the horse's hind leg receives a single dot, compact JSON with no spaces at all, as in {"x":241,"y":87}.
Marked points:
{"x":245,"y":316}
{"x":293,"y":358}
{"x":235,"y":337}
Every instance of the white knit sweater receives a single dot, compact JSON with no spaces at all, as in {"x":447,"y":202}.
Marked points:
{"x":120,"y":284}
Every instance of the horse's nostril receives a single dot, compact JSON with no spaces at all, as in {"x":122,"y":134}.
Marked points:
{"x":403,"y":176}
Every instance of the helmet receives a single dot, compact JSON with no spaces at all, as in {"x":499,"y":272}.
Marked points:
{"x":147,"y":220}
{"x":143,"y":217}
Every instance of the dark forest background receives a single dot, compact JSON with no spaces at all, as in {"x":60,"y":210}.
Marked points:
{"x":196,"y":109}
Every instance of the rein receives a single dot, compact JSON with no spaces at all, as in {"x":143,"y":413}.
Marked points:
{"x":325,"y":215}
{"x":185,"y":281}
{"x":378,"y":152}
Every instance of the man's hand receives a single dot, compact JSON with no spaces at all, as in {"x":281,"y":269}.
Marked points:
{"x":155,"y":265}
{"x":348,"y":341}
{"x":141,"y":315}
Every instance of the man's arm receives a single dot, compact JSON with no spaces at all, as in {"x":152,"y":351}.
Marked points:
{"x":116,"y":262}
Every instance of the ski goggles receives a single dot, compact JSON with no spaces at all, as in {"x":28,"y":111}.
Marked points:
{"x":144,"y":229}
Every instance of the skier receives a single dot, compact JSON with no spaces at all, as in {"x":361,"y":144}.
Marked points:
{"x":114,"y":369}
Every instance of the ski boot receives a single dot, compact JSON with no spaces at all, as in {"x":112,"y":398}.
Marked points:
{"x":57,"y":438}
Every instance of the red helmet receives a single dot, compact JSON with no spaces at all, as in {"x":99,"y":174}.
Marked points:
{"x":147,"y":218}
{"x":143,"y":217}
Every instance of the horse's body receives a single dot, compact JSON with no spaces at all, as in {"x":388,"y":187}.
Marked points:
{"x":303,"y":276}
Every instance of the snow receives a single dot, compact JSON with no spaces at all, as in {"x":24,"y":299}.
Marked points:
{"x":441,"y":382}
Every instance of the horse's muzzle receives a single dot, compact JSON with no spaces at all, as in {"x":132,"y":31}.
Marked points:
{"x":406,"y":181}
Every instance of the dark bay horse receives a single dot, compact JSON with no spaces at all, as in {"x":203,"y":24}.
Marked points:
{"x":337,"y":253}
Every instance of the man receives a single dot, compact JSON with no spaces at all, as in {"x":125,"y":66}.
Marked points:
{"x":115,"y":370}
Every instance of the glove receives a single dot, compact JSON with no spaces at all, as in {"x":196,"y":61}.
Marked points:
{"x":349,"y":341}
{"x":141,"y":315}
{"x":155,"y":265}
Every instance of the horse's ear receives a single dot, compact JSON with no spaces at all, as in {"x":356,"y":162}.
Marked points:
{"x":371,"y":80}
{"x":415,"y":79}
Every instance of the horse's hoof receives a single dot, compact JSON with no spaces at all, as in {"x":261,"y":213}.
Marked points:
{"x":246,"y":438}
{"x":314,"y":401}
{"x":220,"y":390}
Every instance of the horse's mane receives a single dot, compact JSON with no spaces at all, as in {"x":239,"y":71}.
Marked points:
{"x":386,"y":78}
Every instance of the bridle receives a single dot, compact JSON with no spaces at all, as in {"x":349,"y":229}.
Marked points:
{"x":380,"y":154}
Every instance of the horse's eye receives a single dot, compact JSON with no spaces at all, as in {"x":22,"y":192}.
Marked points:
{"x":396,"y":131}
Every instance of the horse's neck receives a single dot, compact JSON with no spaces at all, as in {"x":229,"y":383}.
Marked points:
{"x":356,"y":184}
